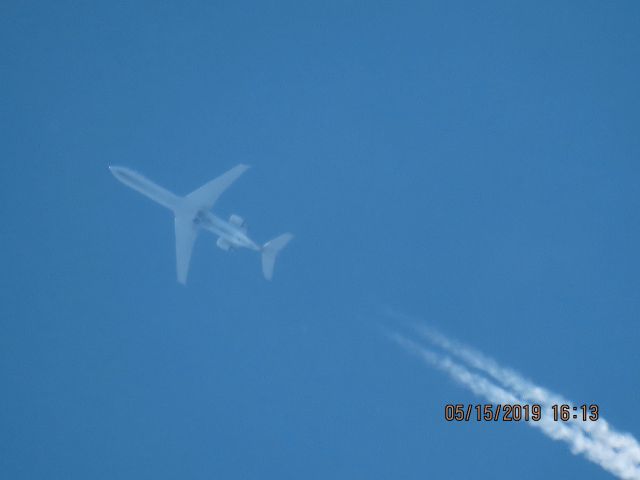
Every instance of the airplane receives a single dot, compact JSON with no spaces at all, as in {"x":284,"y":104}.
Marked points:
{"x":193,"y":213}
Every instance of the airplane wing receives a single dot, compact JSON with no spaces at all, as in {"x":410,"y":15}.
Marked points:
{"x":186,"y":233}
{"x":206,"y":195}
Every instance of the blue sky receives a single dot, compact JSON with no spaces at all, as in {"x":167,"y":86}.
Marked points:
{"x":474,"y":165}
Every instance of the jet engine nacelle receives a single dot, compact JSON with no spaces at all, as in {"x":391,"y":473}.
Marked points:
{"x":238,"y":221}
{"x":224,"y":245}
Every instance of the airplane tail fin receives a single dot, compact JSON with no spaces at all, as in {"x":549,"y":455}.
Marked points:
{"x":270,"y":251}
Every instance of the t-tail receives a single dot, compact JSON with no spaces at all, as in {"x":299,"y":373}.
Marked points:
{"x":270,"y":252}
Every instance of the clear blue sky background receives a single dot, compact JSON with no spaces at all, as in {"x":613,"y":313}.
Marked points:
{"x":474,"y":165}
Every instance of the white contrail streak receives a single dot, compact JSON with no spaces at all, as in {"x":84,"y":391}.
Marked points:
{"x":618,"y":453}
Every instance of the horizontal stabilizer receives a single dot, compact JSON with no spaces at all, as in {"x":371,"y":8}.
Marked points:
{"x":270,"y":252}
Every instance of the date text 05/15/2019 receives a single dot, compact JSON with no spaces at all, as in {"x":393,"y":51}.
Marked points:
{"x":519,"y":412}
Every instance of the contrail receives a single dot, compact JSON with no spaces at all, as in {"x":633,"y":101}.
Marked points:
{"x":618,"y":453}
